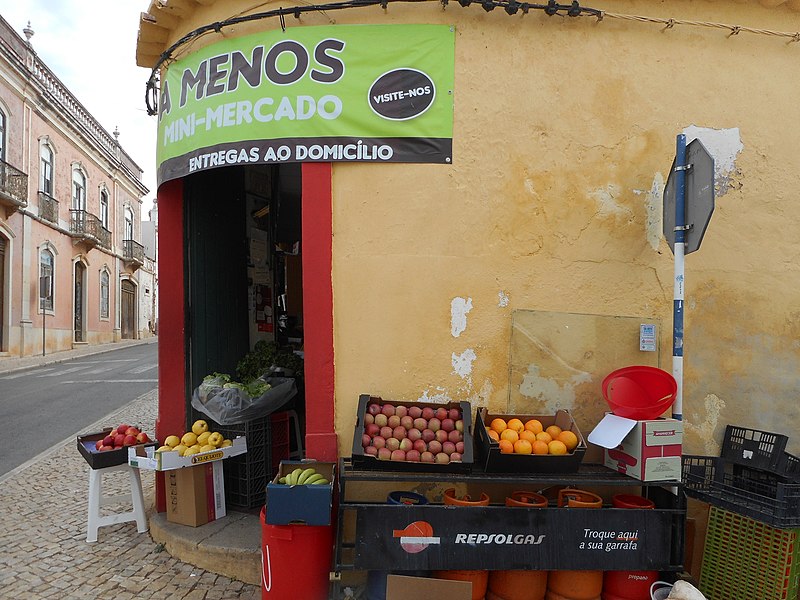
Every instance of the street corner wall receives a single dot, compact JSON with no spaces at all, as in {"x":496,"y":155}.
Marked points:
{"x":564,"y":133}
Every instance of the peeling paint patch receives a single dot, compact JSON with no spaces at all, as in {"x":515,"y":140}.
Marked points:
{"x":606,"y":199}
{"x":503,"y":299}
{"x":462,"y":363}
{"x":654,"y":209}
{"x":704,"y":429}
{"x":549,"y":390}
{"x":439,"y":398}
{"x":724,"y":145}
{"x":459,"y":308}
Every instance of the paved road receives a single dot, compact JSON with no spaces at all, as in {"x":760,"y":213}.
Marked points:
{"x":44,"y":405}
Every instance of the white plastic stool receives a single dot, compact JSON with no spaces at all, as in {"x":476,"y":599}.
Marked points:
{"x":96,"y":500}
{"x":297,"y":452}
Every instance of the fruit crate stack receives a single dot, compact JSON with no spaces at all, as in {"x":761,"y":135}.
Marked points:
{"x":246,"y":475}
{"x":754,"y":476}
{"x":746,"y":558}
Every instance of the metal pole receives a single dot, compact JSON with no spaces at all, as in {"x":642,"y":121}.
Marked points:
{"x":680,"y":244}
{"x":44,"y":316}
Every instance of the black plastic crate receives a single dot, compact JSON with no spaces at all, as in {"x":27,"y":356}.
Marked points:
{"x":753,"y":448}
{"x":246,"y":476}
{"x":757,"y":494}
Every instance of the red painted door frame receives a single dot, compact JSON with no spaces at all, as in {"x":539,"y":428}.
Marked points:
{"x":320,"y":441}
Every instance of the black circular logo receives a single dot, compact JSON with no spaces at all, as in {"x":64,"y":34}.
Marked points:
{"x":401,"y":94}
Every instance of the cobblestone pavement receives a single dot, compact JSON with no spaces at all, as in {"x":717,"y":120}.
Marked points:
{"x":43,"y":534}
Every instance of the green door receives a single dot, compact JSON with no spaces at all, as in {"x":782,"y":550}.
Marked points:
{"x":216,"y":271}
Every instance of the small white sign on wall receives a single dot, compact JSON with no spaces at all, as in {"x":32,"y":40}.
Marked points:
{"x":647,"y":337}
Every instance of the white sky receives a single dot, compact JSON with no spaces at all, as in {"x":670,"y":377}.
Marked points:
{"x":91,"y":48}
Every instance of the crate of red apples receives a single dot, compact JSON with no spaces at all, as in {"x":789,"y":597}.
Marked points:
{"x":413,"y":436}
{"x":109,"y":447}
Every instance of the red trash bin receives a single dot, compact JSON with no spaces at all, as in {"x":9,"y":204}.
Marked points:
{"x":295,"y":561}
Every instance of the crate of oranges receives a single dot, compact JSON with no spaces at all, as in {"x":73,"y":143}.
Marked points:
{"x":529,"y":443}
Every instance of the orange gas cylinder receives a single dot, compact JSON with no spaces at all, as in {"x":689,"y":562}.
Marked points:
{"x":517,"y":585}
{"x":478,"y":579}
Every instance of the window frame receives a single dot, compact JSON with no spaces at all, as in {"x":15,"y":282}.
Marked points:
{"x":48,"y":308}
{"x":105,"y":302}
{"x":47,"y":169}
{"x":104,"y":207}
{"x":79,"y":184}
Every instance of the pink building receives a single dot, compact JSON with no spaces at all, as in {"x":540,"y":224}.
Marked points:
{"x":70,"y":215}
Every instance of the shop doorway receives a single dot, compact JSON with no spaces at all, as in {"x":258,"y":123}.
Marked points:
{"x":243,"y":263}
{"x":78,"y":320}
{"x":128,"y":310}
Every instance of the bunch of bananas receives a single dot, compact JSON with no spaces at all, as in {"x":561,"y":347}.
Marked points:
{"x":301,"y":476}
{"x":199,"y":439}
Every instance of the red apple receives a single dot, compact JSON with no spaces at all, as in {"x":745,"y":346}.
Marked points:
{"x":379,"y":442}
{"x":119,"y":440}
{"x":426,"y":457}
{"x":372,"y":430}
{"x":399,"y":432}
{"x":460,"y":447}
{"x":420,"y":446}
{"x":401,"y":411}
{"x":98,"y":444}
{"x":107,"y":441}
{"x":406,"y":445}
{"x":142,"y":438}
{"x":454,"y":436}
{"x":106,"y":448}
{"x":374,"y":408}
{"x":434,"y":447}
{"x":122,"y":428}
{"x":386,"y":432}
{"x":427,"y":413}
{"x":393,"y":444}
{"x":455,"y":457}
{"x":460,"y":425}
{"x":413,"y":456}
{"x":428,"y":435}
{"x":448,"y":424}
{"x":441,"y":413}
{"x":384,"y":454}
{"x":130,"y":440}
{"x":441,"y":436}
{"x":420,"y":423}
{"x":414,"y":435}
{"x":365,"y":440}
{"x":368,"y":419}
{"x":434,"y":424}
{"x":414,"y":412}
{"x":113,"y":432}
{"x":387,"y":409}
{"x":371,"y":450}
{"x":398,"y":455}
{"x":442,"y":458}
{"x":134,"y":431}
{"x":381,"y":420}
{"x":448,"y":448}
{"x":393,"y":421}
{"x":454,"y":413}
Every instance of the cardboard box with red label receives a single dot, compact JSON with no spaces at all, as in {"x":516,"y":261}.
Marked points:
{"x":646,"y":450}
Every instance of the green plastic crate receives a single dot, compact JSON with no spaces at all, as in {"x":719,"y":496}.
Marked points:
{"x":745,"y":559}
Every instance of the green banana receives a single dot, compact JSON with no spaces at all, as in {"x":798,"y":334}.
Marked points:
{"x":304,"y":475}
{"x":282,"y":479}
{"x":290,"y":478}
{"x":316,"y":478}
{"x":322,"y":481}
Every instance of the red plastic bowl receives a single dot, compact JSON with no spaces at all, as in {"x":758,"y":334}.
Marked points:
{"x":639,"y":392}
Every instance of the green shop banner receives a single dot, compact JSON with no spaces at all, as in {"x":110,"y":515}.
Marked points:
{"x":366,"y":93}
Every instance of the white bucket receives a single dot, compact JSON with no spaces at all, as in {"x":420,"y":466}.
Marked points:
{"x":660,"y":590}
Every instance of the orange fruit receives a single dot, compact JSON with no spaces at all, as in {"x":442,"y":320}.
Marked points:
{"x":498,"y":424}
{"x":510,"y":435}
{"x":570,"y":440}
{"x":527,"y":435}
{"x":494,"y":435}
{"x":553,"y":430}
{"x":540,"y":447}
{"x":506,"y":447}
{"x":534,"y":425}
{"x":557,"y":447}
{"x":516,"y":425}
{"x":523,"y":447}
{"x":544,"y":437}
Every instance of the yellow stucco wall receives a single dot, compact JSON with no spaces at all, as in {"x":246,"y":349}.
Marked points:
{"x":564,"y":135}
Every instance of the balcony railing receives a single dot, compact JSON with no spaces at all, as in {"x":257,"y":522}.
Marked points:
{"x":48,"y":207}
{"x":13,"y":187}
{"x":88,"y":228}
{"x":133,"y":252}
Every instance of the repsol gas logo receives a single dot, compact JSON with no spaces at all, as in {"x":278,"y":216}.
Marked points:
{"x":401,"y":94}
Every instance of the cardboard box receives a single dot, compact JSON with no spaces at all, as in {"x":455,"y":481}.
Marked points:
{"x":308,"y":504}
{"x":195,"y":495}
{"x":107,"y":458}
{"x":402,"y":587}
{"x":646,"y":450}
{"x":495,"y":461}
{"x":148,"y":458}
